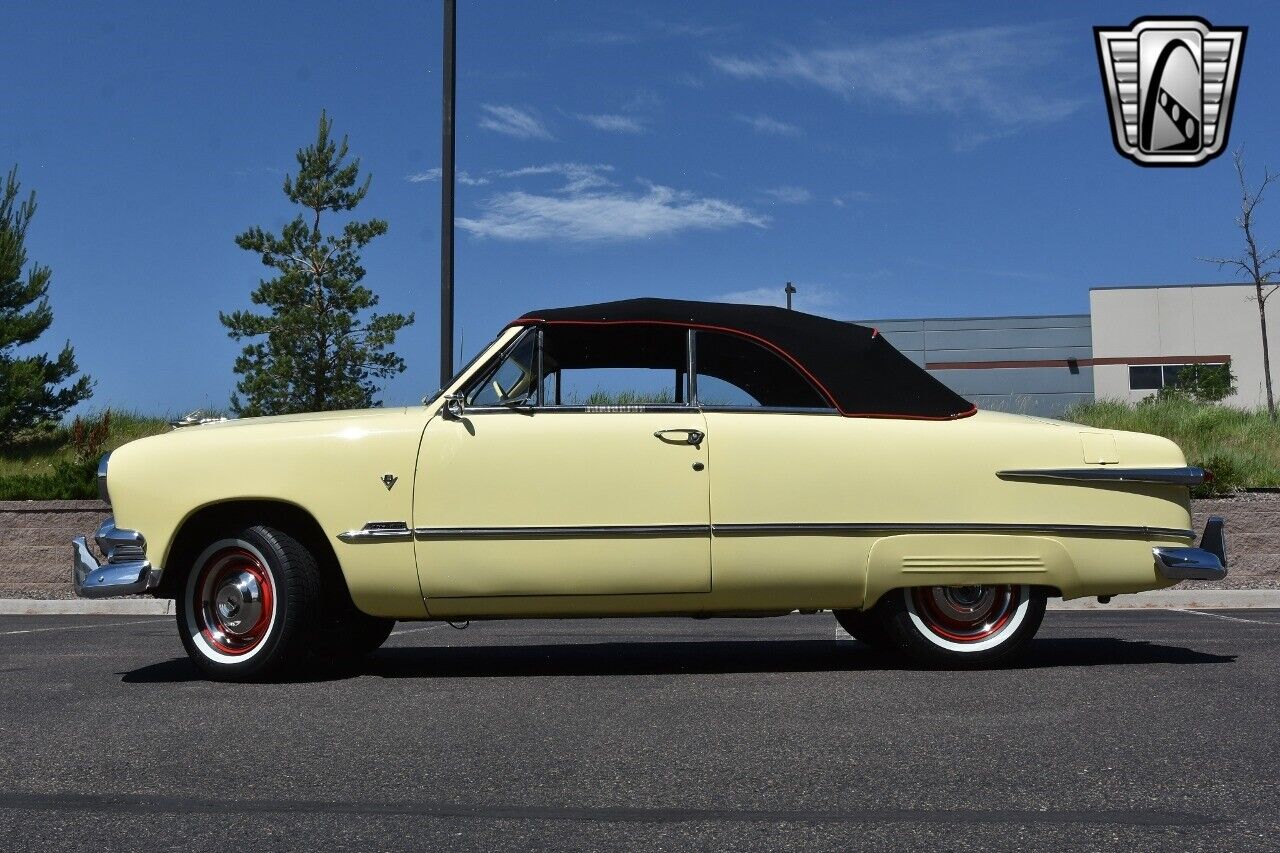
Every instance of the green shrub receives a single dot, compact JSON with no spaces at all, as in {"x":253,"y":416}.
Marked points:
{"x":1227,"y":477}
{"x":1203,"y":383}
{"x":76,"y":480}
{"x":1240,"y":447}
{"x":61,"y":462}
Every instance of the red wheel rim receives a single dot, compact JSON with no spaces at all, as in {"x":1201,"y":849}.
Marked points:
{"x":234,"y":601}
{"x":966,"y":614}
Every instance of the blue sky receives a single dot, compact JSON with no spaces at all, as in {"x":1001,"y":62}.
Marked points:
{"x":932,"y":159}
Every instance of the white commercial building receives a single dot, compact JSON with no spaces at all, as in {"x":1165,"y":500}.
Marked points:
{"x":1130,"y":344}
{"x":1141,"y":335}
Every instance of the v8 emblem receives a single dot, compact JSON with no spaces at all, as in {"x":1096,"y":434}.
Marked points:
{"x":389,"y":480}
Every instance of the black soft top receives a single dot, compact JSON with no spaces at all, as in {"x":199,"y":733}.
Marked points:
{"x":854,"y":367}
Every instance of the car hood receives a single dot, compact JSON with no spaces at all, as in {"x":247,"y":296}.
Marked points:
{"x":302,"y":418}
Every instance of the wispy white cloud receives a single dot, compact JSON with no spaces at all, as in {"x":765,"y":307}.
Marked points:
{"x":513,"y":121}
{"x":588,"y":207}
{"x":462,"y":176}
{"x":613,"y":122}
{"x":762,"y":123}
{"x":992,"y":80}
{"x":841,"y":199}
{"x":578,"y":177}
{"x":789,"y":195}
{"x":651,"y":30}
{"x":813,"y":298}
{"x":691,"y":29}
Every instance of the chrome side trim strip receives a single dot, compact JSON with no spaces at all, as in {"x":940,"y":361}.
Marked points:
{"x":390,"y":531}
{"x":1164,"y":476}
{"x":949,"y":527}
{"x":378,"y":531}
{"x":582,"y":532}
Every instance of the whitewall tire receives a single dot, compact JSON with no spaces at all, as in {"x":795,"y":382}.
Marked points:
{"x":250,"y":604}
{"x":974,"y":625}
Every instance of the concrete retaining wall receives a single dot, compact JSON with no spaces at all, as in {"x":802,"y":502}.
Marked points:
{"x":1253,"y":537}
{"x":40,"y":565}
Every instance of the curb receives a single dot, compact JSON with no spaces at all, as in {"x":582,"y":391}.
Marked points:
{"x":1207,"y":599}
{"x":1193,"y":599}
{"x":86,"y":607}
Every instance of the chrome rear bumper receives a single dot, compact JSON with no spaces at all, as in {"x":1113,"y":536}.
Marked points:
{"x":126,"y":571}
{"x":1205,"y":563}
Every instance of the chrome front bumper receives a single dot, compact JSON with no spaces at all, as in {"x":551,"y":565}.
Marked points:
{"x":1205,"y":563}
{"x":126,"y":571}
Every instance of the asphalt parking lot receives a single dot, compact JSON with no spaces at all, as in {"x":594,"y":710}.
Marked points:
{"x":1125,"y":729}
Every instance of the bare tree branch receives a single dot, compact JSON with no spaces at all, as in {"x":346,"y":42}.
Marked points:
{"x":1254,"y":263}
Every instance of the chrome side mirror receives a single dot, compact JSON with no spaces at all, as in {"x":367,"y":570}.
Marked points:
{"x":453,"y":405}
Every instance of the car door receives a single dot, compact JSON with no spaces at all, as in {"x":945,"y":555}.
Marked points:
{"x":533,"y":491}
{"x":784,"y":475}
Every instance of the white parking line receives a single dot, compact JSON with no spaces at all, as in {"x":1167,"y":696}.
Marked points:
{"x":78,"y":627}
{"x":1220,"y":616}
{"x":416,"y":630}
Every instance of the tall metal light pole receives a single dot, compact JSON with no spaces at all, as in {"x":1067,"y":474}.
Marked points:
{"x":446,"y":191}
{"x":789,"y":289}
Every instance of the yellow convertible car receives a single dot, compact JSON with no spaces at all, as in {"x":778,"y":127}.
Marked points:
{"x":638,"y":458}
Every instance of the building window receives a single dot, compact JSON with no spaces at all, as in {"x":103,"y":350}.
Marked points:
{"x":1153,"y":377}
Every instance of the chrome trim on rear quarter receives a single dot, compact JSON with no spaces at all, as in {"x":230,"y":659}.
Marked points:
{"x":1186,"y":476}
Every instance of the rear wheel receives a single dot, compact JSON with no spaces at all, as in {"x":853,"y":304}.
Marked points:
{"x":976,"y":625}
{"x":863,"y":625}
{"x":250,"y":605}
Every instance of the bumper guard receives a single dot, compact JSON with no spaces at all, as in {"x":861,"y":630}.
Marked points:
{"x":1205,"y":563}
{"x":126,"y":571}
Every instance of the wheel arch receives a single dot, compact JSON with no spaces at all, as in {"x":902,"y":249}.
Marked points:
{"x":960,"y":559}
{"x":213,"y":519}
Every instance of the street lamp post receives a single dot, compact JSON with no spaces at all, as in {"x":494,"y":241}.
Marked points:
{"x":446,"y":191}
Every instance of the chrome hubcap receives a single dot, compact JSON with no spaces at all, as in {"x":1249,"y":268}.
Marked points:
{"x":239,"y":603}
{"x":234,"y":600}
{"x":967,"y":614}
{"x":964,"y":603}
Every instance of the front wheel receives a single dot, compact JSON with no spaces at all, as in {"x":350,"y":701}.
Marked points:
{"x":250,"y":605}
{"x":959,"y":626}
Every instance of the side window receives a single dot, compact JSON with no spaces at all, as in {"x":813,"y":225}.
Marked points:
{"x":737,"y":373}
{"x":514,"y":381}
{"x":614,"y":365}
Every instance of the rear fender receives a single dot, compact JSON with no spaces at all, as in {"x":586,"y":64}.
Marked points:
{"x":960,"y":559}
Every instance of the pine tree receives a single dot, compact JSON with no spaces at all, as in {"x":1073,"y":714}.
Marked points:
{"x":33,"y":392}
{"x":315,"y":349}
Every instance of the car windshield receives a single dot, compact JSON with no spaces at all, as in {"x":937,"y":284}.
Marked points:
{"x":435,"y":395}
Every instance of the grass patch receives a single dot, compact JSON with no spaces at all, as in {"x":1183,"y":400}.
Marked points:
{"x":1240,"y":447}
{"x":41,"y":454}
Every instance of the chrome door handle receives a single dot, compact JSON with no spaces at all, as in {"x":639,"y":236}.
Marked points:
{"x":691,"y":436}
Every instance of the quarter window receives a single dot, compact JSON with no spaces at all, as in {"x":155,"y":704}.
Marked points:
{"x":514,"y":381}
{"x":733,"y":372}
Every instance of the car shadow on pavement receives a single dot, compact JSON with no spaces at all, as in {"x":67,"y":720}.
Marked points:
{"x":716,"y":657}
